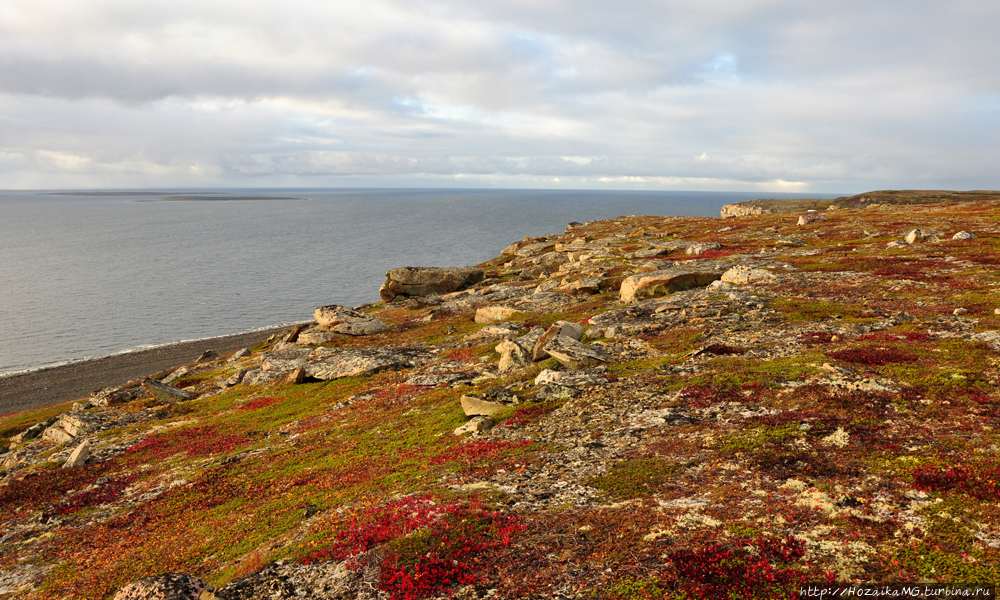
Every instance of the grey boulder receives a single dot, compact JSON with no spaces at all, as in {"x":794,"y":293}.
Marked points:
{"x":427,"y":281}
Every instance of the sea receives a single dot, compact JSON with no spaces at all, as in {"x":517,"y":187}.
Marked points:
{"x":91,"y":273}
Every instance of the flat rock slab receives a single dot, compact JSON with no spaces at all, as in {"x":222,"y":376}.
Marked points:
{"x":658,"y":283}
{"x":427,"y":281}
{"x":575,"y":355}
{"x":493,"y":314}
{"x":164,"y":392}
{"x":286,"y":359}
{"x":477,"y":406}
{"x":336,"y":363}
{"x":341,"y":319}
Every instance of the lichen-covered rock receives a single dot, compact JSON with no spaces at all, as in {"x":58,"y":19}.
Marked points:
{"x":963,"y":235}
{"x":336,"y":363}
{"x":426,"y":281}
{"x":657,"y":283}
{"x":284,"y":360}
{"x":164,"y":392}
{"x":169,"y":586}
{"x":341,"y":319}
{"x":477,"y":406}
{"x":493,"y":314}
{"x":517,"y":352}
{"x":743,"y":275}
{"x":575,"y":355}
{"x":811,"y":217}
{"x":79,"y":456}
{"x":572,"y":330}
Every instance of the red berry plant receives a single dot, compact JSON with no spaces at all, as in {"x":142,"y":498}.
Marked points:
{"x":427,"y":544}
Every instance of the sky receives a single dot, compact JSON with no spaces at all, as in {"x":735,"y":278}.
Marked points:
{"x":727,"y":95}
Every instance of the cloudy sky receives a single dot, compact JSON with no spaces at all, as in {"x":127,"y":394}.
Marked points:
{"x":769,"y":95}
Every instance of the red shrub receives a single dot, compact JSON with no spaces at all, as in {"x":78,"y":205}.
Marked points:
{"x":979,"y":481}
{"x":194,"y":441}
{"x":260,"y":403}
{"x":760,"y":568}
{"x":431,"y":545}
{"x":703,"y":396}
{"x":476,"y":449}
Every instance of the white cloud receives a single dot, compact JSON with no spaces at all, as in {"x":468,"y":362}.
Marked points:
{"x":739,"y":94}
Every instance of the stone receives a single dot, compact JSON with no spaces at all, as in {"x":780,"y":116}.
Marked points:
{"x":239,"y":354}
{"x":584,"y":285}
{"x":963,"y":235}
{"x":174,"y":376}
{"x":476,"y":425}
{"x":341,"y":319}
{"x":164,"y":392}
{"x":284,"y":360}
{"x":811,"y":217}
{"x":336,"y":363}
{"x":575,"y":355}
{"x":79,"y":456}
{"x":652,"y":253}
{"x":922,"y":235}
{"x":534,"y":249}
{"x":572,"y":330}
{"x":658,"y":283}
{"x":895,"y":244}
{"x":477,"y":406}
{"x":960,"y":311}
{"x":499,"y":330}
{"x":516,"y":352}
{"x":552,"y":391}
{"x":702,"y":247}
{"x":296,"y":376}
{"x":426,"y":281}
{"x":548,"y":376}
{"x":788,"y":241}
{"x":169,"y":586}
{"x":117,"y":395}
{"x":493,"y":314}
{"x":236,"y":378}
{"x":207,"y":356}
{"x":56,"y":435}
{"x":743,"y":275}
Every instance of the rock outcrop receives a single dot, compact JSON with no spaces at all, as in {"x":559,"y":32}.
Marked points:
{"x":425,"y":281}
{"x":341,"y":319}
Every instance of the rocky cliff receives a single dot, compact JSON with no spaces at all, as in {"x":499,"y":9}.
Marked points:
{"x":644,"y":407}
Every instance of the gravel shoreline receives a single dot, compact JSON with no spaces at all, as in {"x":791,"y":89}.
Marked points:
{"x":52,"y":385}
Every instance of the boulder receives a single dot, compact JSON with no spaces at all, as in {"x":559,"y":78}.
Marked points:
{"x":56,"y":435}
{"x":534,"y":249}
{"x":788,"y":241}
{"x":477,"y":406}
{"x":584,"y":285}
{"x":963,"y":235}
{"x":575,"y":355}
{"x":652,"y":253}
{"x":427,"y":281}
{"x":239,"y":354}
{"x":169,"y":586}
{"x":164,"y":392}
{"x":517,"y":352}
{"x":811,"y":217}
{"x":702,"y":247}
{"x":117,"y":395}
{"x":742,"y":275}
{"x":79,"y":456}
{"x":341,"y":319}
{"x":657,"y":283}
{"x":499,"y":330}
{"x":493,"y":314}
{"x":476,"y":425}
{"x":922,"y":235}
{"x":336,"y":363}
{"x":181,"y":372}
{"x":296,"y":376}
{"x":573,"y":330}
{"x":207,"y":356}
{"x":284,"y":360}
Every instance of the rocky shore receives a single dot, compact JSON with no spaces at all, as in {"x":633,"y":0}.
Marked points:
{"x":643,"y":407}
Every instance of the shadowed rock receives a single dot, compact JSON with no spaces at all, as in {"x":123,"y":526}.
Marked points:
{"x":164,"y":392}
{"x":575,"y":355}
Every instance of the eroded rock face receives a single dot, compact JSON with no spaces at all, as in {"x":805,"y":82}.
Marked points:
{"x":427,"y":281}
{"x":169,"y":586}
{"x":341,"y":319}
{"x":658,"y":283}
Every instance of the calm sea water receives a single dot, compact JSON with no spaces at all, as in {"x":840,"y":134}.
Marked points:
{"x":96,"y":273}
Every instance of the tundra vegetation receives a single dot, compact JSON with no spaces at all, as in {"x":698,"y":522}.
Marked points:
{"x":825,"y":411}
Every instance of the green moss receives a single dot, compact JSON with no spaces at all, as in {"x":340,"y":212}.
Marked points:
{"x":635,"y":478}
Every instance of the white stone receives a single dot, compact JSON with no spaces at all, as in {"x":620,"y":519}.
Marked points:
{"x":493,"y":314}
{"x":963,"y":235}
{"x":79,"y":456}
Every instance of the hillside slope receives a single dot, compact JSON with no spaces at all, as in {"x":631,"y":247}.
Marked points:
{"x":754,"y":404}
